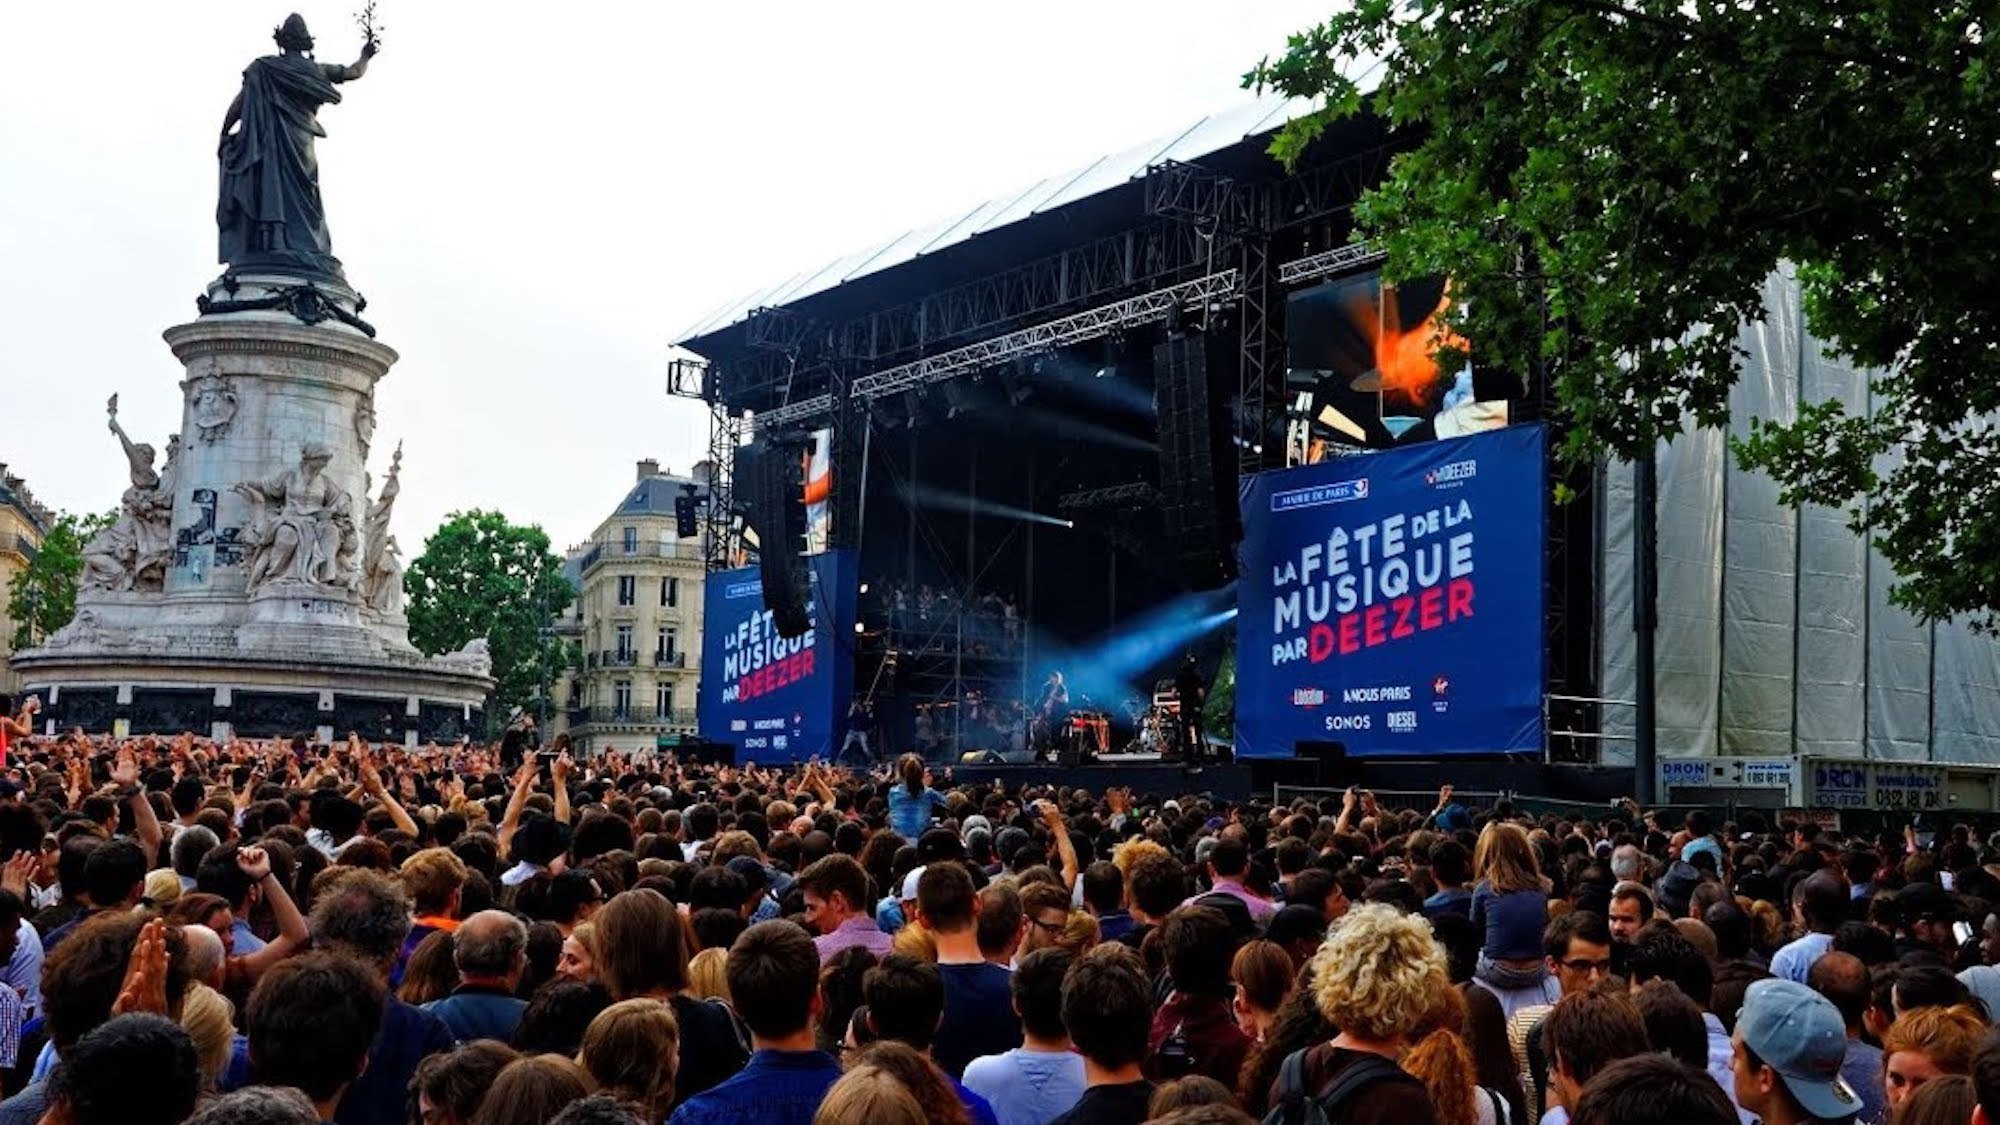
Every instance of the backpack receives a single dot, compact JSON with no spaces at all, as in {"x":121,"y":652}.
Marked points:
{"x":1295,"y":1106}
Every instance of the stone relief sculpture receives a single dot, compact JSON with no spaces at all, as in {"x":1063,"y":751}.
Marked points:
{"x":475,"y":657}
{"x":214,"y":407}
{"x":303,"y":530}
{"x":364,"y":424}
{"x":381,"y":563}
{"x":132,"y":554}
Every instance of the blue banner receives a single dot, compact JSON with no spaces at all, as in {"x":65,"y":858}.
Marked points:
{"x":774,"y":699}
{"x":1392,"y":601}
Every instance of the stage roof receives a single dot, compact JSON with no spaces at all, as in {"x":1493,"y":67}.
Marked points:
{"x":1204,"y":138}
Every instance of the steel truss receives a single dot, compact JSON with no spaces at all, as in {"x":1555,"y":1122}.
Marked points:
{"x":1340,"y":259}
{"x":811,"y":409}
{"x":1088,"y":325}
{"x":1138,"y":494}
{"x":693,"y":379}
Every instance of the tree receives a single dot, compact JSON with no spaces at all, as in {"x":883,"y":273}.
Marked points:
{"x":481,"y":576}
{"x":1218,"y":713}
{"x":1608,"y":183}
{"x":42,"y":597}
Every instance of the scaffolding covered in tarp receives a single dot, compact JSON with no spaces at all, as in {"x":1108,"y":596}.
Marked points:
{"x":1776,"y":633}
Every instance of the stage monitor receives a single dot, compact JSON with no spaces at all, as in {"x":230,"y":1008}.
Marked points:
{"x":773,"y":699}
{"x":1393,"y":601}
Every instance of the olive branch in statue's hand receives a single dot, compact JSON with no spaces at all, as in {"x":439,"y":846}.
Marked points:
{"x":371,"y":32}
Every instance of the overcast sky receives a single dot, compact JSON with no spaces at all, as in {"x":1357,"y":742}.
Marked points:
{"x":536,"y":198}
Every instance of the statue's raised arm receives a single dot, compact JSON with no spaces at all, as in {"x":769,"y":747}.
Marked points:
{"x":269,"y":217}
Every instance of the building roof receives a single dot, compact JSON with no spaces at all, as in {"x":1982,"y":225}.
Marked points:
{"x":1211,"y":134}
{"x":14,"y":494}
{"x":654,"y":496}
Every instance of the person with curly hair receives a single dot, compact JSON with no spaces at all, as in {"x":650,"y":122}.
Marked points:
{"x":1375,"y":979}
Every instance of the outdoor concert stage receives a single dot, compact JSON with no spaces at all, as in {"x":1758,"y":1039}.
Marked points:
{"x":1026,"y":427}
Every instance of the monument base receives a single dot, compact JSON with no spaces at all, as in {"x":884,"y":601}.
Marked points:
{"x":112,"y":684}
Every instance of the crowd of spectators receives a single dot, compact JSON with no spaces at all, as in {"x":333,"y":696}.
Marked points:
{"x":273,"y":932}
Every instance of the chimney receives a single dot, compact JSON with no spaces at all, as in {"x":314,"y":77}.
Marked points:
{"x":648,"y":469}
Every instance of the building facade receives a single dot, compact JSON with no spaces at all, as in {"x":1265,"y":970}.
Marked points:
{"x":637,"y":619}
{"x":22,"y":525}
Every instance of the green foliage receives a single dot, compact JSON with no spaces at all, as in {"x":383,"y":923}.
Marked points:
{"x":481,"y":576}
{"x":42,"y":597}
{"x":1218,"y":711}
{"x":1610,"y":182}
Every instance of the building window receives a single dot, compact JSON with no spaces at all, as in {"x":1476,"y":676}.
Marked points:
{"x":670,"y":591}
{"x":621,"y":699}
{"x":628,"y":589}
{"x":663,"y":699}
{"x":668,"y":646}
{"x":631,"y":540}
{"x":625,"y":645}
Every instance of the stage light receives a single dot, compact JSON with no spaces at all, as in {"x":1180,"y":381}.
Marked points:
{"x":1104,"y":373}
{"x":864,"y":587}
{"x":1069,"y":523}
{"x":860,"y":628}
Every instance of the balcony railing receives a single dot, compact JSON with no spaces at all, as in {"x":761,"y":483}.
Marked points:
{"x":615,"y":658}
{"x":643,"y":549}
{"x":629,"y":716}
{"x":670,"y":659}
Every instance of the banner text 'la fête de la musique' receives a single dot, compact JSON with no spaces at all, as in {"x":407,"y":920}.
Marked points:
{"x":1392,"y":601}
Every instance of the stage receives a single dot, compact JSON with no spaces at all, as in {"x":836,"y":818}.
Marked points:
{"x":1156,"y":779}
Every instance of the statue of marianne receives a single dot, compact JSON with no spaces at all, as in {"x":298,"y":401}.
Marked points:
{"x":269,"y":215}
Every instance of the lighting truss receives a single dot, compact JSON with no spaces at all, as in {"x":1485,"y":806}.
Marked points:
{"x":1328,"y":261}
{"x":1088,"y":325}
{"x":1138,"y":494}
{"x":818,"y":406}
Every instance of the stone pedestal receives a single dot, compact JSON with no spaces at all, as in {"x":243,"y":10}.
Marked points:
{"x":274,"y":368}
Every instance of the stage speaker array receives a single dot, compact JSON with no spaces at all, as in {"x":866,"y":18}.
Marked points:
{"x":771,"y":489}
{"x":1197,"y":472}
{"x":687,"y":506}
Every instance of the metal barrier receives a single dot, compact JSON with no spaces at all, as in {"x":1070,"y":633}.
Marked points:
{"x":1422,"y":800}
{"x":1578,"y":745}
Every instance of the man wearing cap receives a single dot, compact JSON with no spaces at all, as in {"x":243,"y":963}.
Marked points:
{"x":1786,"y":1056}
{"x":1926,"y":912}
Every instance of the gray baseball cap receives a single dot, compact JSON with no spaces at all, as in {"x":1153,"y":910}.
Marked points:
{"x":1799,"y":1034}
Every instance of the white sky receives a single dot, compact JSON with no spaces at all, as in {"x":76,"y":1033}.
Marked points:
{"x":535,"y":198}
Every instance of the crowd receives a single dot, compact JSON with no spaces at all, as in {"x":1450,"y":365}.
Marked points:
{"x":248,"y":932}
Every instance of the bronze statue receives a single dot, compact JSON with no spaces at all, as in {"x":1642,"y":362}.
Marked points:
{"x":270,"y":215}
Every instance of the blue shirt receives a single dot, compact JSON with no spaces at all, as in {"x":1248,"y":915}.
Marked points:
{"x":478,"y":1012}
{"x":381,"y":1095}
{"x":1027,"y":1087}
{"x":242,"y":941}
{"x":976,"y":1107}
{"x":910,"y":813}
{"x":776,"y":1088}
{"x":1793,"y":961}
{"x":978,"y":1007}
{"x":1511,"y":924}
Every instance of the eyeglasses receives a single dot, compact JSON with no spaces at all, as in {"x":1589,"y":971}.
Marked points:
{"x":1586,"y":965}
{"x":1048,"y":927}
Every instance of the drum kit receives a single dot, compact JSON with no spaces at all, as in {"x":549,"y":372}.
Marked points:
{"x":1156,"y":724}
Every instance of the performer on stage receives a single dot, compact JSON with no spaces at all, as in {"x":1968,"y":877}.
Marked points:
{"x":860,"y":720}
{"x":1052,"y":715}
{"x":1191,"y":691}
